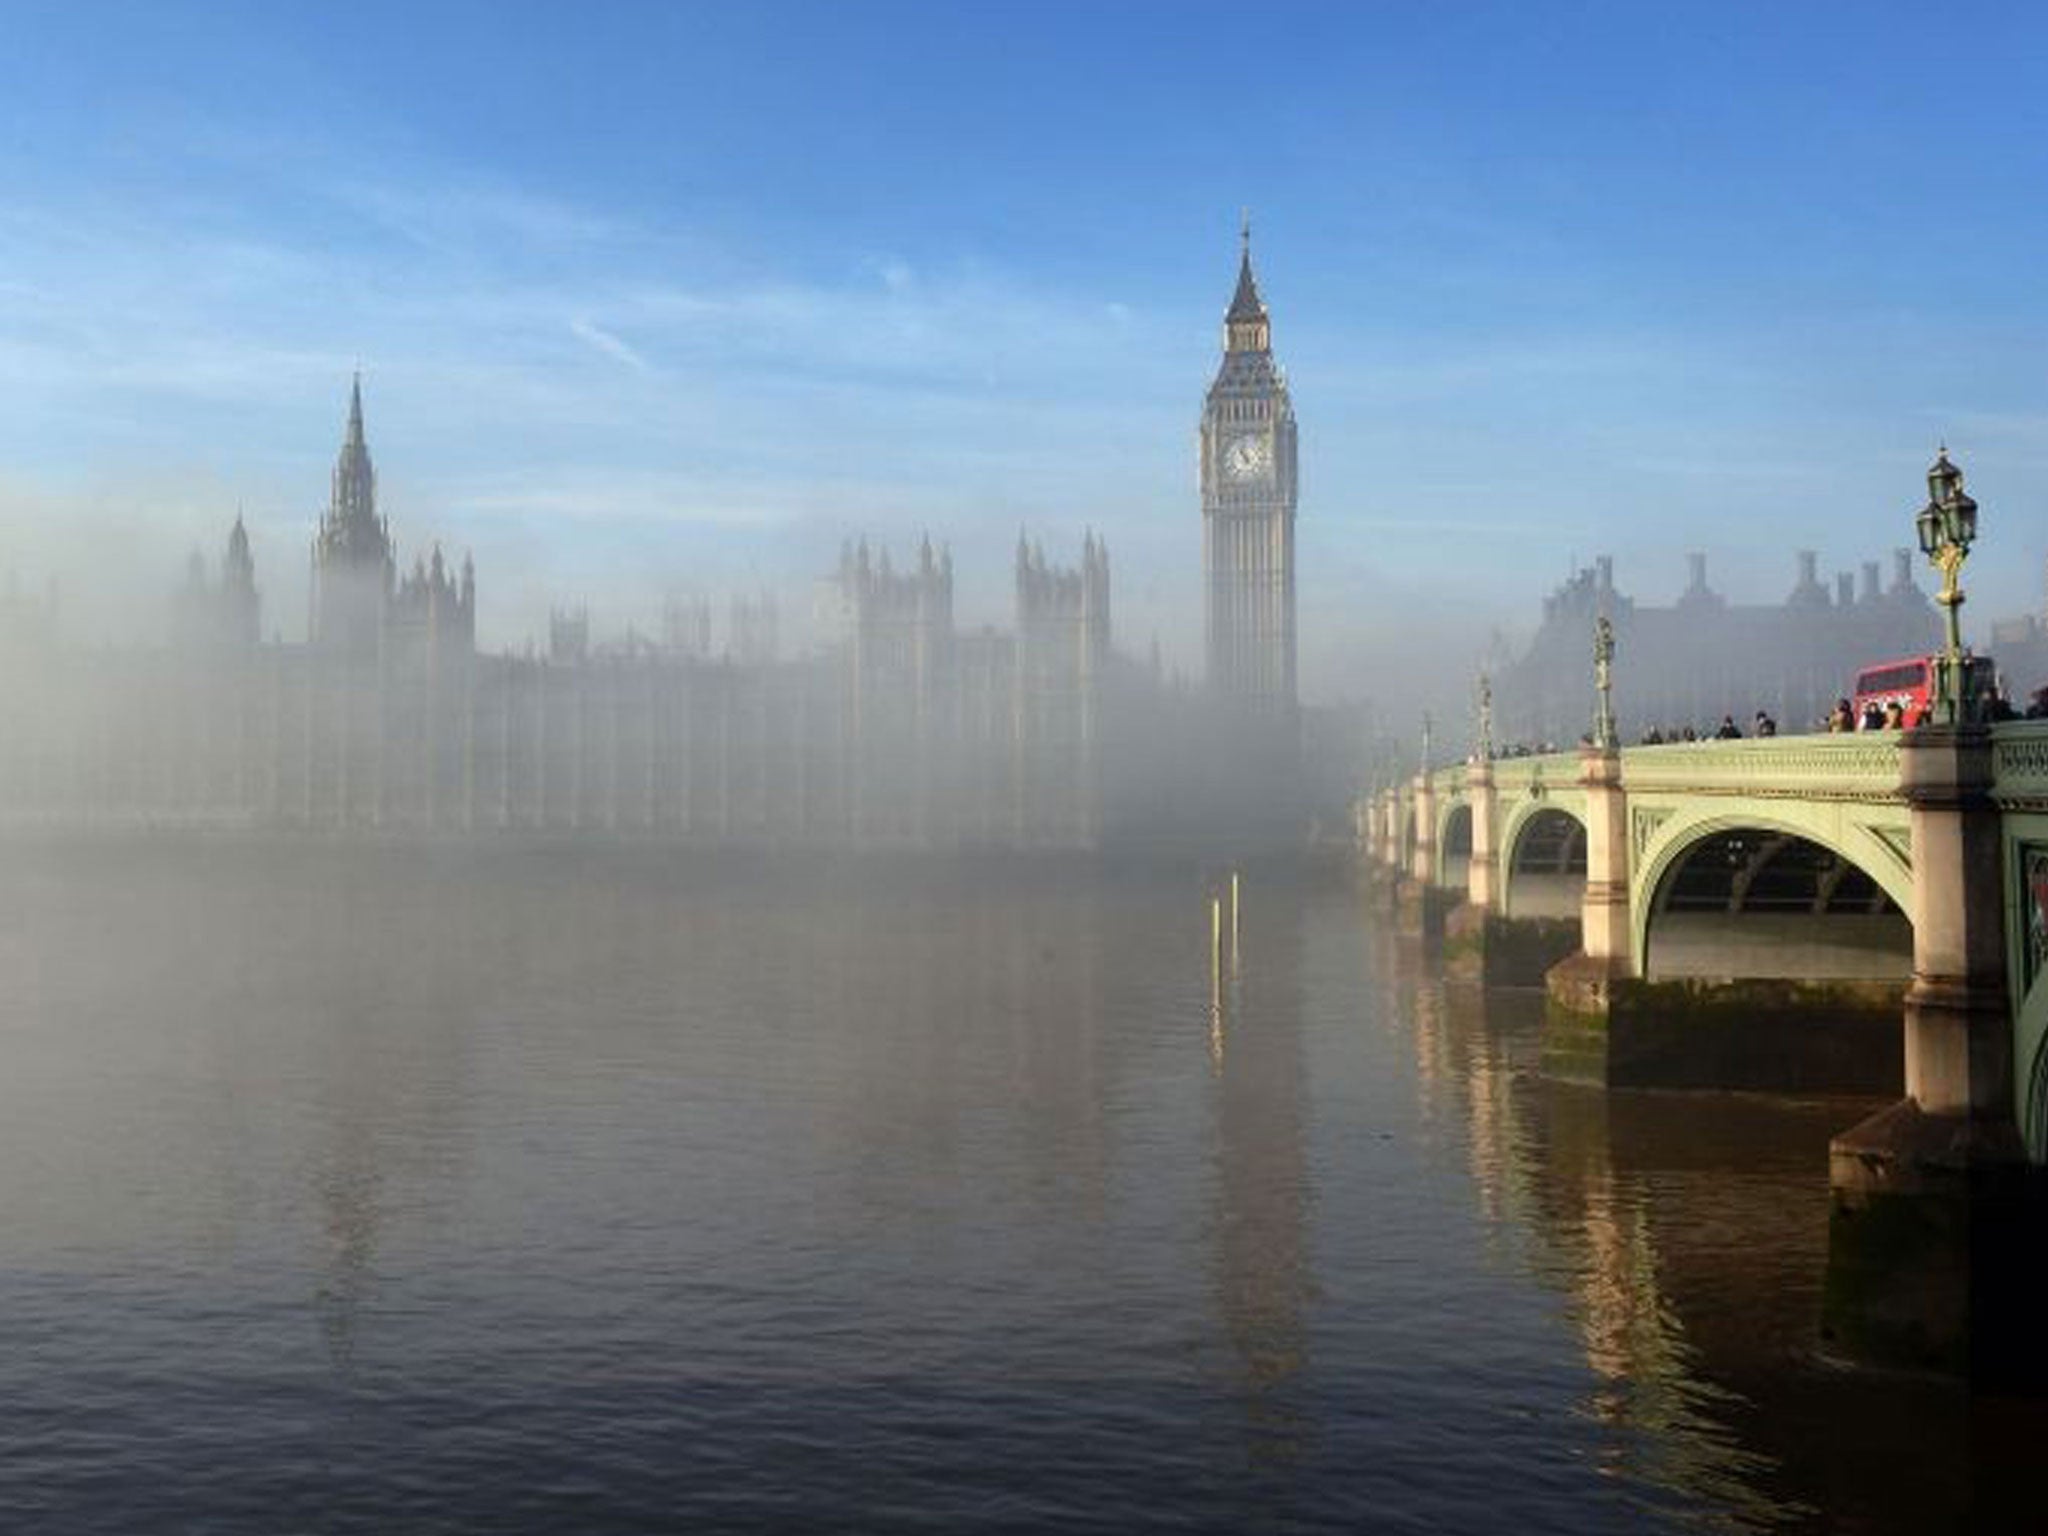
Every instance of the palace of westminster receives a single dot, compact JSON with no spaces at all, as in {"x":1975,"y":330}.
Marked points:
{"x":899,"y":730}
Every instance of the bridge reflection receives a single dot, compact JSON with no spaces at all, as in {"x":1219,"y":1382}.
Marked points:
{"x":1687,"y":1236}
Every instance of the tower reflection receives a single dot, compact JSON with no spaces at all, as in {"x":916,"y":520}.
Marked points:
{"x":1261,"y":1192}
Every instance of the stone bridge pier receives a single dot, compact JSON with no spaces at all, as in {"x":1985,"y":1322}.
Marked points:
{"x":1743,"y":919}
{"x":1506,"y":931}
{"x":1420,"y":901}
{"x":1864,"y":913}
{"x":1936,"y":1224}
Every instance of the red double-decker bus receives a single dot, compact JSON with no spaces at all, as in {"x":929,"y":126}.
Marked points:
{"x":1908,"y":682}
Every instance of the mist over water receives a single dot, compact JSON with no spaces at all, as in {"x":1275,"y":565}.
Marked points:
{"x":356,"y":1188}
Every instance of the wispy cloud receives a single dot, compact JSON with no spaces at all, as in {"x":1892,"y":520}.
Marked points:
{"x":604,"y":381}
{"x":610,"y":345}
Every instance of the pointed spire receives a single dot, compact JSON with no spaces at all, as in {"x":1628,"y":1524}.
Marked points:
{"x":354,"y":436}
{"x":1245,"y":304}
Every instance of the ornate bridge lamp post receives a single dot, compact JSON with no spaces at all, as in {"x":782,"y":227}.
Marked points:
{"x":1482,"y":883}
{"x":1947,"y":526}
{"x":1603,"y":914}
{"x":1605,"y":737}
{"x":1485,"y":752}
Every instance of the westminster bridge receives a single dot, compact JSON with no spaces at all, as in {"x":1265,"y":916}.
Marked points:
{"x":1831,"y":913}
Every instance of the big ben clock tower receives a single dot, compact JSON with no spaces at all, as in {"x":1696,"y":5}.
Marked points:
{"x":1248,"y":495}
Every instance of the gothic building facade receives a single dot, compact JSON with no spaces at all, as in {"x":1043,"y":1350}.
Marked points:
{"x":1702,"y":657}
{"x":901,"y":731}
{"x":1248,"y":485}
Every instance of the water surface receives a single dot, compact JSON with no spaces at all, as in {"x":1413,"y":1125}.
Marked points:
{"x":422,"y":1189}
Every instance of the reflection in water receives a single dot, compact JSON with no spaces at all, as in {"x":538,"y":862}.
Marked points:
{"x":1539,"y":1153}
{"x":1688,"y":1233}
{"x":1260,"y":1213}
{"x":347,"y":1191}
{"x":540,"y":1190}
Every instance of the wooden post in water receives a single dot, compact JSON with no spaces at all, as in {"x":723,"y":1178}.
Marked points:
{"x":1216,"y":981}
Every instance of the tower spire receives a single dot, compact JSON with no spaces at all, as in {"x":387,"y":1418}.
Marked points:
{"x":1246,"y":307}
{"x":354,"y":438}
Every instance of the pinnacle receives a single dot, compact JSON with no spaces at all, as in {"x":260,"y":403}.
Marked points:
{"x":1245,"y":304}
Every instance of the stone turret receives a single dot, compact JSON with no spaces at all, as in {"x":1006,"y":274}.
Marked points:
{"x":1053,"y":597}
{"x":1807,"y":592}
{"x":568,"y":635}
{"x":432,"y":608}
{"x":352,"y":560}
{"x":1062,"y":648}
{"x":224,"y":616}
{"x":1697,"y":593}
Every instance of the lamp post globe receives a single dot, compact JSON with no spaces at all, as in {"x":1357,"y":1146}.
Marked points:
{"x":1928,"y":525}
{"x":1962,"y":520}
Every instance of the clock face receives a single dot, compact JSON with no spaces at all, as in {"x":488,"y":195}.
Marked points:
{"x":1246,"y":458}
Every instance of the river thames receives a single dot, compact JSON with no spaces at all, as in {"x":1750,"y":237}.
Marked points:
{"x":417,"y":1189}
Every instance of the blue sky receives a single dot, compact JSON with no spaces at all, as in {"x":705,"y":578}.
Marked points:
{"x":654,"y":297}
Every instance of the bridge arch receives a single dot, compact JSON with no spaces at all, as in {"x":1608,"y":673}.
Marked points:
{"x":1543,"y":860}
{"x":1756,"y":894}
{"x":1454,"y":844}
